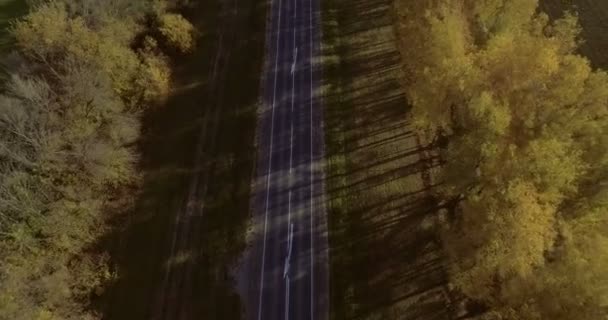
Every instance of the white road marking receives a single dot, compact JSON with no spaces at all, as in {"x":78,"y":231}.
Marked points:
{"x":287,"y":285}
{"x":290,"y":240}
{"x":312,"y":247}
{"x":289,"y":237}
{"x":290,"y":225}
{"x":295,"y":59}
{"x":287,"y":266}
{"x":274,"y":97}
{"x":293,"y":96}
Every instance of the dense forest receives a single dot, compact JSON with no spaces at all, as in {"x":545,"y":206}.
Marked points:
{"x":522,"y":122}
{"x":80,"y":77}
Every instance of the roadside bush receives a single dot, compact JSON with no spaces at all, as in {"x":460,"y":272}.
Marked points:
{"x":177,"y":31}
{"x":154,"y":75}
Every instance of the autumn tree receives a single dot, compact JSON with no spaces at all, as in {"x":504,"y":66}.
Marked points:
{"x":69,"y":120}
{"x":177,"y":31}
{"x":527,"y":123}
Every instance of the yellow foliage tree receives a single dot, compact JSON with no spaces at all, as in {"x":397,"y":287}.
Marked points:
{"x":153,"y":78}
{"x":503,"y":234}
{"x":50,"y":35}
{"x":177,"y":31}
{"x":527,"y":122}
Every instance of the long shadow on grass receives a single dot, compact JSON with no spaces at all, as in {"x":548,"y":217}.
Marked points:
{"x":385,"y":257}
{"x":192,"y":281}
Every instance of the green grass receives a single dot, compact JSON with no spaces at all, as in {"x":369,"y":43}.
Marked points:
{"x":593,"y":18}
{"x":140,"y":240}
{"x":385,"y":259}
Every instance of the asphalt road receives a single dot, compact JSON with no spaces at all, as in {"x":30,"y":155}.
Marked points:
{"x":287,"y":273}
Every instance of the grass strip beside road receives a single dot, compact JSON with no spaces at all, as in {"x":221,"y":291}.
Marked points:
{"x":168,"y":165}
{"x":386,"y":262}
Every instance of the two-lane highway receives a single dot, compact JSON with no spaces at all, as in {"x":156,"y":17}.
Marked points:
{"x":287,"y":268}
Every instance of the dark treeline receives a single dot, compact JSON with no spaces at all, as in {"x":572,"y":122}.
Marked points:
{"x":526,"y":120}
{"x":82,"y":73}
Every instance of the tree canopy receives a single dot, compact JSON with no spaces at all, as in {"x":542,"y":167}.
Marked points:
{"x":69,"y":118}
{"x":527,"y":121}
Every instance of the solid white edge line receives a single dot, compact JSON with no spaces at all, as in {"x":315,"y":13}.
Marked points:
{"x":274,"y":97}
{"x":312,"y":257}
{"x":290,"y":180}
